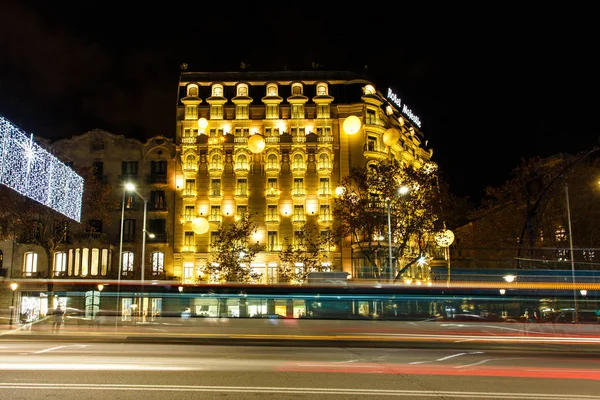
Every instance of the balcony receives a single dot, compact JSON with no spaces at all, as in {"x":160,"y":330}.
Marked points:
{"x":188,"y":140}
{"x":215,"y":167}
{"x":157,"y":208}
{"x":241,"y":167}
{"x":157,"y":178}
{"x":272,"y":167}
{"x":241,"y":193}
{"x":91,"y":236}
{"x":298,"y":167}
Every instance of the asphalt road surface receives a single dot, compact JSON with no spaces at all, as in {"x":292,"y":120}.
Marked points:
{"x":46,"y":369}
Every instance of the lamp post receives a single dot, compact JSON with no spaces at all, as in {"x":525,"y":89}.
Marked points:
{"x":131,"y":187}
{"x":575,"y":316}
{"x":14,"y":287}
{"x":118,"y":306}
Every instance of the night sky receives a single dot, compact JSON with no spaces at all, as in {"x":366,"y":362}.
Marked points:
{"x":490,"y":85}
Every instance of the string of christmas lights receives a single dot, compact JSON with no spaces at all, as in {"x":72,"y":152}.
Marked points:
{"x":33,"y":172}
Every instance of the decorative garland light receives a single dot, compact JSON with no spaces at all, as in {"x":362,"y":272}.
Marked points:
{"x":33,"y":172}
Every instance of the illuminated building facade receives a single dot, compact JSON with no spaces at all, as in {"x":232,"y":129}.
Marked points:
{"x":276,"y":145}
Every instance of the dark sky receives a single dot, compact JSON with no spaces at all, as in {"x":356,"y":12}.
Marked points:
{"x":490,"y":85}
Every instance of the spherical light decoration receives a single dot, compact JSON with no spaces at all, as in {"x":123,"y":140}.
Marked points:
{"x":391,"y":137}
{"x":444,"y":238}
{"x":351,"y":125}
{"x":202,"y":123}
{"x":200,"y":225}
{"x":256,"y":143}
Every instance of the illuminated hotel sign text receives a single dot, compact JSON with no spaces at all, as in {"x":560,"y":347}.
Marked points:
{"x":405,"y":110}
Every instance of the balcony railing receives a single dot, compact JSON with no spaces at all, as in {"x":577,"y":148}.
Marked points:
{"x":157,"y":178}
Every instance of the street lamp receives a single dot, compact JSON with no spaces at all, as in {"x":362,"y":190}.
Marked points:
{"x":131,"y":187}
{"x":118,"y":306}
{"x":402,"y":191}
{"x":14,"y":287}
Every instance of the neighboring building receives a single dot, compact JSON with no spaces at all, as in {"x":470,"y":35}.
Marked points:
{"x":290,"y":183}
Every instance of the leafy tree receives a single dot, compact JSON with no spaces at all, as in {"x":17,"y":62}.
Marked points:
{"x":234,"y":253}
{"x":304,"y":255}
{"x":526,"y":220}
{"x":27,"y":221}
{"x":361,"y":213}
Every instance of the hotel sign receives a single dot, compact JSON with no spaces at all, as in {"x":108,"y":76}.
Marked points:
{"x":405,"y":110}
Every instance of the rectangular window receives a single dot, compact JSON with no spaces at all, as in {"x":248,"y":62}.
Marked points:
{"x":157,"y":200}
{"x":158,"y":262}
{"x":188,"y":239}
{"x":95,"y":262}
{"x":323,"y":111}
{"x":298,"y":189}
{"x":190,"y":187}
{"x":215,"y":187}
{"x":128,"y":263}
{"x":272,"y":215}
{"x":157,"y":227}
{"x":60,"y":263}
{"x":272,"y":187}
{"x":129,"y":230}
{"x":297,"y":111}
{"x":191,"y":112}
{"x":130,"y":201}
{"x":187,"y":132}
{"x":272,"y":241}
{"x":298,"y":213}
{"x":242,"y":210}
{"x":324,"y":187}
{"x":190,"y":213}
{"x":324,"y":213}
{"x":372,"y":143}
{"x":242,"y":187}
{"x":371,"y":118}
{"x":241,"y":111}
{"x":215,"y":213}
{"x":129,"y":167}
{"x":272,"y":111}
{"x":216,"y":112}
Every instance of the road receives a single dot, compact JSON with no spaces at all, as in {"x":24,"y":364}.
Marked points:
{"x":41,"y":369}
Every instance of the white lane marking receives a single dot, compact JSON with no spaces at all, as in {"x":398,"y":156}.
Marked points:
{"x":60,"y":347}
{"x":457,"y":355}
{"x":447,"y":357}
{"x":93,"y":367}
{"x":290,"y":390}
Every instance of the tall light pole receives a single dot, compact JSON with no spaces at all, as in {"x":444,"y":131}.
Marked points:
{"x":131,"y":187}
{"x":14,"y":287}
{"x":572,"y":256}
{"x":117,"y":316}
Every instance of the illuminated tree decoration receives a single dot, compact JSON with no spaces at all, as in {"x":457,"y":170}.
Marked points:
{"x":33,"y":172}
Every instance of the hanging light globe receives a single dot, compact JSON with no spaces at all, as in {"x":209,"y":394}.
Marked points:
{"x":351,"y":125}
{"x":202,"y":123}
{"x":444,"y":238}
{"x":200,"y":225}
{"x":391,"y":137}
{"x":256,"y":143}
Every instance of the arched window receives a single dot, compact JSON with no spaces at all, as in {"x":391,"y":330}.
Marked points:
{"x":321,"y":89}
{"x":217,"y":90}
{"x":297,"y":89}
{"x":190,"y":162}
{"x":193,"y":91}
{"x":242,"y":90}
{"x":272,"y":161}
{"x":272,"y":90}
{"x":298,"y":161}
{"x":324,"y":161}
{"x":242,"y":162}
